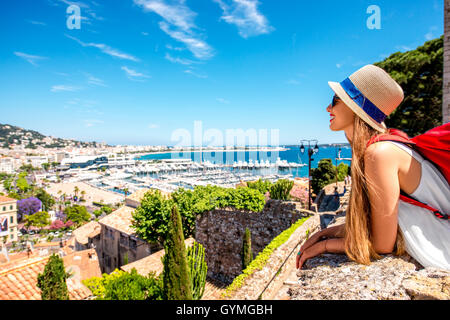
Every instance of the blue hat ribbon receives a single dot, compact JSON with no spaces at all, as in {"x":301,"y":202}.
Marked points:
{"x":361,"y":100}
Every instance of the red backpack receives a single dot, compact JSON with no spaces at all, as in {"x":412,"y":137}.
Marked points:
{"x":433,"y":145}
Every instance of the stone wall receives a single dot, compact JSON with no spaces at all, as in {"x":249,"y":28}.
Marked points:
{"x":221,"y":232}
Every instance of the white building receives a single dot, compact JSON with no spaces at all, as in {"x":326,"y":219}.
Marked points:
{"x":7,"y":165}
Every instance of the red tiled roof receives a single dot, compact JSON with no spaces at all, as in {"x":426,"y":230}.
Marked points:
{"x":6,"y":199}
{"x":18,"y":281}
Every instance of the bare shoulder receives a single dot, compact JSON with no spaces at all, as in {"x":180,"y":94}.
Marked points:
{"x":384,"y":152}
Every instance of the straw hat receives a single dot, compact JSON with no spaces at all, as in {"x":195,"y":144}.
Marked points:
{"x":371,"y":93}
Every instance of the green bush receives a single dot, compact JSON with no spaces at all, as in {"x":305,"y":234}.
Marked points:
{"x":121,"y":285}
{"x":150,"y":219}
{"x":260,"y":185}
{"x":281,"y":189}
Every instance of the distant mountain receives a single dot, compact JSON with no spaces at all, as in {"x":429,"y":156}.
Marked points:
{"x":11,"y":136}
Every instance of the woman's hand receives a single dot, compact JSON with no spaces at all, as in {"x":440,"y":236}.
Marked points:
{"x":314,"y":239}
{"x":333,"y":245}
{"x":310,"y":252}
{"x":330,"y":232}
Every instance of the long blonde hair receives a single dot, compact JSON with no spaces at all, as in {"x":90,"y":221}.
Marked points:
{"x":358,"y":242}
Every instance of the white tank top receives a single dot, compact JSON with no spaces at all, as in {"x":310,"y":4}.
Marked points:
{"x":427,"y":238}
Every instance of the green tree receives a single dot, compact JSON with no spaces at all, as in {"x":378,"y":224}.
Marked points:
{"x":198,"y":268}
{"x":75,"y":190}
{"x":77,"y":214}
{"x":247,"y":254}
{"x":324,"y":174}
{"x":39,"y":219}
{"x":177,"y":283}
{"x":151,"y":218}
{"x":420,"y":74}
{"x":52,"y":281}
{"x":46,"y":199}
{"x":45,"y":166}
{"x":184,"y":199}
{"x":342,"y":171}
{"x":22,"y":184}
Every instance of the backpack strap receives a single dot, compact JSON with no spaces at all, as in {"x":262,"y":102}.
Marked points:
{"x":413,"y":201}
{"x":391,"y":135}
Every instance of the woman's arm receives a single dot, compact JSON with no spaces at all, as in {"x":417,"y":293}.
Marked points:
{"x":381,"y":169}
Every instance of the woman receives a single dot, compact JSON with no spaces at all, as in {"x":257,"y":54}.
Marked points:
{"x":377,"y":222}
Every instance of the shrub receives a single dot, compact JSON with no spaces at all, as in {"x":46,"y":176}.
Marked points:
{"x":260,"y":185}
{"x":198,"y":269}
{"x":281,"y":189}
{"x":121,"y":285}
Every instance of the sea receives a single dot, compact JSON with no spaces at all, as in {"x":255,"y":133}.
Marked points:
{"x":291,"y":154}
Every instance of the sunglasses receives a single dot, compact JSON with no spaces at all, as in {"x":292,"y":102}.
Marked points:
{"x":335,"y":100}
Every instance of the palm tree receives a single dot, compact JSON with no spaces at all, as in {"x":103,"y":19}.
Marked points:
{"x":75,"y":190}
{"x":125,"y":190}
{"x":83,"y":193}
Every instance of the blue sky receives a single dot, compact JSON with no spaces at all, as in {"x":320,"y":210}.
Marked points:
{"x":138,"y":70}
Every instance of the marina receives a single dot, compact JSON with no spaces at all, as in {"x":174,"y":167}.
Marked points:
{"x":169,"y":171}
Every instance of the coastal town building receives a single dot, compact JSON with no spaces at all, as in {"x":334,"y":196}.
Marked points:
{"x":113,"y":238}
{"x":87,"y":236}
{"x":18,"y":279}
{"x":8,"y":219}
{"x":7,"y":165}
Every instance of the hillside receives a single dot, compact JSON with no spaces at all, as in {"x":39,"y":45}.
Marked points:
{"x":11,"y":136}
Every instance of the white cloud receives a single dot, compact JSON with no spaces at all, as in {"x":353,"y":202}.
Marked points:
{"x":177,"y":14}
{"x":133,"y":74}
{"x":62,"y":87}
{"x":29,"y":58}
{"x":191,"y":72}
{"x":153,"y":126}
{"x":95,"y":81}
{"x":178,"y":23}
{"x":178,"y":60}
{"x":222,"y":100}
{"x":106,"y":49}
{"x":245,"y":15}
{"x":37,"y":22}
{"x":92,"y":122}
{"x":293,"y":82}
{"x":144,"y":33}
{"x":199,"y":48}
{"x":338,"y":65}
